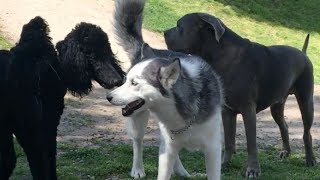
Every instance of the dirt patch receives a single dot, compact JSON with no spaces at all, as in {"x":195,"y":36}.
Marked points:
{"x":107,"y":124}
{"x":93,"y":118}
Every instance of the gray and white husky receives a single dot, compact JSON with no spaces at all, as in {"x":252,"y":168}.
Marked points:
{"x":182,"y":92}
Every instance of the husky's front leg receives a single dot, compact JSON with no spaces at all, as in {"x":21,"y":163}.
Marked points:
{"x":213,"y":159}
{"x":167,"y":157}
{"x":136,"y":127}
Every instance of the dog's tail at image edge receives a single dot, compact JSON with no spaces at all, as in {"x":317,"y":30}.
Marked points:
{"x":305,"y":45}
{"x":128,"y":17}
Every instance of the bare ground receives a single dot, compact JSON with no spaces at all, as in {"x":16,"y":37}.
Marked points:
{"x":93,"y":118}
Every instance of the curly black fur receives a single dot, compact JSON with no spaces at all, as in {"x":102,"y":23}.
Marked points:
{"x":31,"y":101}
{"x":85,"y":55}
{"x":34,"y":81}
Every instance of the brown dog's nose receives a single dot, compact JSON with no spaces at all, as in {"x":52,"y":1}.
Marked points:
{"x":109,"y":98}
{"x":165,"y":33}
{"x":118,"y":82}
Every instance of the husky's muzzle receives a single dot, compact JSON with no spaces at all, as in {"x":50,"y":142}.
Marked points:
{"x":130,"y":107}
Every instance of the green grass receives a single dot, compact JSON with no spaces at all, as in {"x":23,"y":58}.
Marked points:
{"x":105,"y":161}
{"x":264,"y":21}
{"x":4,"y":44}
{"x":78,"y":120}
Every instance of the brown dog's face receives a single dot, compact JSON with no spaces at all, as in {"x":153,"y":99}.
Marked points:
{"x":192,"y":31}
{"x":182,"y":37}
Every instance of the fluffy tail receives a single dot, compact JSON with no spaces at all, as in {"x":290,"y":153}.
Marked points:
{"x":32,"y":54}
{"x":35,"y":42}
{"x":128,"y":24}
{"x":305,"y":45}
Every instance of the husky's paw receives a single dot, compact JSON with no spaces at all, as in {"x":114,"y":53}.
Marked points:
{"x":284,"y":154}
{"x":137,"y":173}
{"x":181,"y":172}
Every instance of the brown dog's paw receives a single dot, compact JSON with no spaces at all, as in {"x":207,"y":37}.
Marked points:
{"x":225,"y":166}
{"x":252,"y":172}
{"x":311,"y":162}
{"x":284,"y":154}
{"x":226,"y":159}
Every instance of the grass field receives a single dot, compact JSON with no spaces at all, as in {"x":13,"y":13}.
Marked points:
{"x":264,"y":21}
{"x":106,"y":161}
{"x":4,"y":44}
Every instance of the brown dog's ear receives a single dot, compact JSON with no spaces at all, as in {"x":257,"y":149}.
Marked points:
{"x":215,"y":23}
{"x":146,"y":52}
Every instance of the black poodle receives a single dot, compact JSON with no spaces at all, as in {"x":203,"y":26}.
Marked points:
{"x":85,"y":55}
{"x":33,"y":83}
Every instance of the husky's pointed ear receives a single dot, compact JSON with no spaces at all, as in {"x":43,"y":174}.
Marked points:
{"x":215,"y":23}
{"x":169,"y":74}
{"x":146,"y":52}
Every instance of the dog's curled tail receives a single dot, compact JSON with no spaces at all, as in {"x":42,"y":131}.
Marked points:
{"x":31,"y":54}
{"x":128,"y":17}
{"x":35,"y":41}
{"x":305,"y":45}
{"x":36,"y":30}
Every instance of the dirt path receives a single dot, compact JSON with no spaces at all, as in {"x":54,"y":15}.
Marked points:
{"x":93,"y":117}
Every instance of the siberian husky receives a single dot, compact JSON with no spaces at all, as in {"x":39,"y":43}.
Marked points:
{"x":184,"y":95}
{"x":182,"y":92}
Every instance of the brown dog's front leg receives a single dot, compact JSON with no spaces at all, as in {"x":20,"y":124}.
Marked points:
{"x":249,"y":118}
{"x":229,"y":124}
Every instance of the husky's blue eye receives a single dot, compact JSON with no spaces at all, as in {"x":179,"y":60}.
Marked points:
{"x":133,"y":83}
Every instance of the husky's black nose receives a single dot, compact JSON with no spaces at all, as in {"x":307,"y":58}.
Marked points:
{"x":109,"y":98}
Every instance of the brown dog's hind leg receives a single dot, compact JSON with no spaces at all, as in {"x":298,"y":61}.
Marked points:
{"x":306,"y":108}
{"x":304,"y":94}
{"x":277,"y":114}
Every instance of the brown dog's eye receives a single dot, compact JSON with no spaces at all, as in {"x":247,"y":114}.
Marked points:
{"x":179,"y":30}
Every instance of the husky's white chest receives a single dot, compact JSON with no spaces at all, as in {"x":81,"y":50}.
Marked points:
{"x":197,"y":137}
{"x":192,"y":142}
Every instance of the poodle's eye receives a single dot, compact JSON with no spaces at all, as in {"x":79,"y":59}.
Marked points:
{"x":133,"y":83}
{"x":124,"y":78}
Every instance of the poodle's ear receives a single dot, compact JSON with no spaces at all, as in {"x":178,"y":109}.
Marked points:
{"x":77,"y":73}
{"x":60,"y":47}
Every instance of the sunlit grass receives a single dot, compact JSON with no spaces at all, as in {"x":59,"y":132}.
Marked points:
{"x":266,"y":22}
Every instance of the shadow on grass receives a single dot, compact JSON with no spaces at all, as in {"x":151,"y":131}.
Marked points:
{"x":296,"y":14}
{"x":94,"y":148}
{"x":108,"y":161}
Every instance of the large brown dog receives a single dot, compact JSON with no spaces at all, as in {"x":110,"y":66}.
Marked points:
{"x":255,"y":77}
